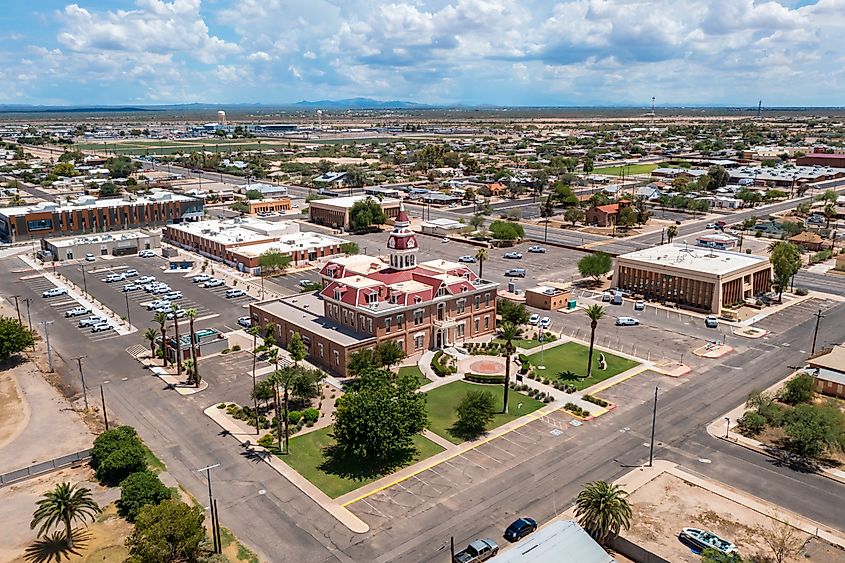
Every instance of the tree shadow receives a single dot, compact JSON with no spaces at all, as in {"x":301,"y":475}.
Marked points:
{"x":338,"y":462}
{"x":53,"y":547}
{"x":12,"y":362}
{"x":462,"y":432}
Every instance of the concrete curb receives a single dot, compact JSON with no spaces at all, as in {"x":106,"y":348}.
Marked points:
{"x":332,"y":506}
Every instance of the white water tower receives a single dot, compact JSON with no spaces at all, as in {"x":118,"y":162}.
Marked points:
{"x":221,"y":117}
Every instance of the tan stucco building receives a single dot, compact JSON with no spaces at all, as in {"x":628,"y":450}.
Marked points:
{"x":703,"y":279}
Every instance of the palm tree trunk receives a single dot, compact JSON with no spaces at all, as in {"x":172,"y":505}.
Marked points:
{"x":278,"y":416}
{"x":592,"y":343}
{"x":197,"y":377}
{"x":481,"y":268}
{"x":507,"y":378}
{"x":164,"y":345}
{"x":178,"y":345}
{"x":287,"y":421}
{"x":68,"y":533}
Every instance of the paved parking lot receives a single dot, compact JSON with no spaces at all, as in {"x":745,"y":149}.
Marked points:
{"x":210,"y":303}
{"x":38,"y":284}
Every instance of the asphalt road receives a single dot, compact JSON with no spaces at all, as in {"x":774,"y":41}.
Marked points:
{"x":284,"y":525}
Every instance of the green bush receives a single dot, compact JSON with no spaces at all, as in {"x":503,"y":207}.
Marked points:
{"x":576,"y":410}
{"x":236,"y":348}
{"x":751,"y":423}
{"x":801,"y":291}
{"x":221,"y":406}
{"x":595,"y":400}
{"x":485,"y":378}
{"x":118,"y":453}
{"x":294,"y":416}
{"x":266,"y":441}
{"x":798,"y":389}
{"x":138,"y":490}
{"x":311,"y":415}
{"x":523,"y":359}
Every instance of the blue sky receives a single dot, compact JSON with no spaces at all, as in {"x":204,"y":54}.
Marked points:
{"x":510,"y":52}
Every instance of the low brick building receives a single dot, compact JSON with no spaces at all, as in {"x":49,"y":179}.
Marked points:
{"x":334,"y":212}
{"x":605,"y":215}
{"x":277,"y":205}
{"x":545,"y":297}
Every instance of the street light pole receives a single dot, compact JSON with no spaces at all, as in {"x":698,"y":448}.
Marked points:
{"x":128,"y":316}
{"x":29,"y":320}
{"x":47,"y":338}
{"x":207,"y":470}
{"x":653,"y":424}
{"x":84,"y":280}
{"x":727,"y":427}
{"x":819,"y":318}
{"x":82,"y":377}
{"x":17,"y":307}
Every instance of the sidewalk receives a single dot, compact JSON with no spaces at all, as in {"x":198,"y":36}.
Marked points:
{"x":332,"y":506}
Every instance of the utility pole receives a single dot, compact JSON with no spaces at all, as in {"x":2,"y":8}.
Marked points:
{"x":207,"y":470}
{"x":819,"y":318}
{"x":128,"y":316}
{"x":82,"y":378}
{"x":653,"y":424}
{"x":84,"y":280}
{"x":105,"y":415}
{"x":254,"y":396}
{"x":46,"y":324}
{"x":17,"y":307}
{"x":29,"y":320}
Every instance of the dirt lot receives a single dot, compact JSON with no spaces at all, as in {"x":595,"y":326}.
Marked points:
{"x":13,"y":411}
{"x":666,"y":504}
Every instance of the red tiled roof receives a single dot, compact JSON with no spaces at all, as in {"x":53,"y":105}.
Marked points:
{"x":609,"y":208}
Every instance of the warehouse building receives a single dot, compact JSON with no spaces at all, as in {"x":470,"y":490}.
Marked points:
{"x":702,"y":279}
{"x":123,"y":243}
{"x":335,"y":212}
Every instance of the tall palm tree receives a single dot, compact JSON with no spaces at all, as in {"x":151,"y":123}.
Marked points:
{"x":672,"y":232}
{"x":161,"y":319}
{"x":151,"y":334}
{"x":64,"y":505}
{"x":273,"y":356}
{"x":829,"y":213}
{"x":291,"y":379}
{"x":509,"y":332}
{"x":602,"y":510}
{"x":595,"y":313}
{"x":481,"y":256}
{"x":254,"y":330}
{"x":191,"y":315}
{"x":174,"y":307}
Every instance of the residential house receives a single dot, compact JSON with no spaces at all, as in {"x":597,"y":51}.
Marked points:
{"x":829,"y":372}
{"x":605,"y":215}
{"x":808,"y":240}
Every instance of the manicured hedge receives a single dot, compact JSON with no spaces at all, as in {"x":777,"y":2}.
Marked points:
{"x":485,"y":378}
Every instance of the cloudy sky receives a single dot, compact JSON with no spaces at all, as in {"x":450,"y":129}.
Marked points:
{"x":510,"y":52}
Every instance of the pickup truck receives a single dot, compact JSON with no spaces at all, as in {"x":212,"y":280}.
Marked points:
{"x":477,"y":551}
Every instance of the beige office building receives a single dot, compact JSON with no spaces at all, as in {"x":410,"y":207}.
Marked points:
{"x":697,"y":278}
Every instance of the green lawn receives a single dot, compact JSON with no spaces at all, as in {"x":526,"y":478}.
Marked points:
{"x":628,"y":169}
{"x":306,"y":458}
{"x":572,"y":356}
{"x":415,"y":372}
{"x":442,"y":401}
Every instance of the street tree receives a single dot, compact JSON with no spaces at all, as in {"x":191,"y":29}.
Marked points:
{"x":603,"y":510}
{"x":272,"y":260}
{"x":349,"y":248}
{"x":174,"y":308}
{"x":512,"y":312}
{"x":474,"y":413}
{"x":376,"y":422}
{"x":627,"y":217}
{"x":296,"y":348}
{"x":477,"y":221}
{"x":365,"y":213}
{"x":117,"y":453}
{"x":161,"y":319}
{"x":481,"y":255}
{"x":574,"y":215}
{"x":783,"y":540}
{"x":506,"y":230}
{"x":167,"y":532}
{"x":812,"y":429}
{"x":14,"y":337}
{"x":595,"y":313}
{"x":671,"y":232}
{"x":63,"y":506}
{"x":829,"y":213}
{"x":121,"y":166}
{"x":508,"y":332}
{"x":719,"y":177}
{"x":799,"y":389}
{"x":564,"y":195}
{"x":595,"y":265}
{"x":137,"y":491}
{"x":786,"y":261}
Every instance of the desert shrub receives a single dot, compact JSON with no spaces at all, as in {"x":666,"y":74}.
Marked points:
{"x":311,"y":415}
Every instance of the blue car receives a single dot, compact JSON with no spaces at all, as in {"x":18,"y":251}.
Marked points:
{"x":520,"y":528}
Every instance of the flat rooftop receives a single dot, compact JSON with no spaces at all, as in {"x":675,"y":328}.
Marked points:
{"x":348,"y":201}
{"x":237,"y":230}
{"x":87,"y":202}
{"x":694,"y":259}
{"x":93,"y":239}
{"x":291,"y":243}
{"x":306,"y":311}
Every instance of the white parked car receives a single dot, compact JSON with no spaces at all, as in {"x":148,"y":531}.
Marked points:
{"x":534,"y":319}
{"x":131,"y":287}
{"x":146,"y":254}
{"x":89,"y":257}
{"x":545,"y":322}
{"x":212,"y":283}
{"x":537,"y":249}
{"x":77,"y":311}
{"x":200,"y":278}
{"x":513,"y":255}
{"x":179,"y":313}
{"x":114,"y":278}
{"x":102,"y":327}
{"x":158,"y":303}
{"x":245,"y":322}
{"x":627,"y":321}
{"x":55,"y":292}
{"x":173,"y":295}
{"x":146,"y":279}
{"x":468,"y":259}
{"x":230,"y":293}
{"x":130,"y":272}
{"x":91,"y":321}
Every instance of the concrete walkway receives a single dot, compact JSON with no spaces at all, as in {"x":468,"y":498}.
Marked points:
{"x":332,"y":506}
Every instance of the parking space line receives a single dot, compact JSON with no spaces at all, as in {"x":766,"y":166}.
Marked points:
{"x":376,"y":509}
{"x":499,"y":448}
{"x":444,"y":476}
{"x":410,"y":492}
{"x":436,"y":490}
{"x":520,"y":446}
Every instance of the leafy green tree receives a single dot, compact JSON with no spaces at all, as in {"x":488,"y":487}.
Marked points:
{"x":363,"y":360}
{"x":63,"y":506}
{"x":786,"y":261}
{"x":512,"y":312}
{"x":166,"y":532}
{"x":574,"y":215}
{"x":14,"y":338}
{"x":376,"y":422}
{"x":812,"y":429}
{"x":350,"y":248}
{"x":240,"y":207}
{"x":121,"y":166}
{"x":595,"y":313}
{"x":799,"y":389}
{"x":671,"y":232}
{"x":137,"y":491}
{"x":508,"y":332}
{"x":595,"y":265}
{"x":603,"y":510}
{"x":752,"y":423}
{"x":254,"y":194}
{"x":389,"y":353}
{"x":564,"y":195}
{"x":829,"y":213}
{"x":627,"y":217}
{"x":719,"y":177}
{"x":474,"y":413}
{"x":263,"y":391}
{"x":117,"y":453}
{"x":296,"y":348}
{"x":64,"y":169}
{"x":288,"y":380}
{"x":108,"y":189}
{"x":365,"y":213}
{"x":272,"y":260}
{"x":506,"y":230}
{"x":476,"y":221}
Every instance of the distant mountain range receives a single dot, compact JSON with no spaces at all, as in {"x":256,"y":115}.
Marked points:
{"x":361,"y":103}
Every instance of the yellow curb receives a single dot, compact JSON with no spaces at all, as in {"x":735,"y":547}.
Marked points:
{"x":639,"y":369}
{"x":531,"y":417}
